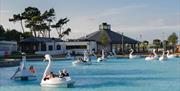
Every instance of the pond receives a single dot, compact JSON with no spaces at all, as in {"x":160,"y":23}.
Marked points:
{"x":113,"y":75}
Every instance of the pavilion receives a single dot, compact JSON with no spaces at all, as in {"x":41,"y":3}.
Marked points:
{"x":115,"y":40}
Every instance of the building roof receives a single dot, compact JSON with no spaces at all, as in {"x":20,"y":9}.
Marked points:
{"x":41,"y":39}
{"x":113,"y":37}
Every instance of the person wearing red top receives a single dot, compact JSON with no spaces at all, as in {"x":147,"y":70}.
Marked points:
{"x":32,"y":69}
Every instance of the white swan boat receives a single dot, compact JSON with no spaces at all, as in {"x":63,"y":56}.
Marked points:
{"x":56,"y":81}
{"x":163,"y":57}
{"x":112,"y":54}
{"x":102,"y":58}
{"x":155,"y":57}
{"x":68,"y":56}
{"x":22,"y":73}
{"x":170,"y":56}
{"x":133,"y":56}
{"x":85,"y":61}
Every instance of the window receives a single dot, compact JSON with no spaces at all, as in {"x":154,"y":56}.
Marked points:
{"x":50,"y":47}
{"x":43,"y":47}
{"x":58,"y":47}
{"x":76,"y":47}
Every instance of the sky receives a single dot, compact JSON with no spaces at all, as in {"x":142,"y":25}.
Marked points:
{"x":153,"y":19}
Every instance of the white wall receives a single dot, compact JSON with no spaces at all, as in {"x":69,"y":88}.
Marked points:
{"x":7,"y":46}
{"x":90,"y":45}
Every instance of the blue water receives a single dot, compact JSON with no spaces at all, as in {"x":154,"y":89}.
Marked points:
{"x":112,"y":75}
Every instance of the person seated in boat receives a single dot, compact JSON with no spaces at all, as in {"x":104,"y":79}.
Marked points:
{"x":32,"y":69}
{"x":63,"y":73}
{"x":81,"y":60}
{"x":151,"y":55}
{"x":47,"y":77}
{"x":52,"y":75}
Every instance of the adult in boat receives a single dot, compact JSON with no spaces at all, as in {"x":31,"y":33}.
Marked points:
{"x":63,"y":73}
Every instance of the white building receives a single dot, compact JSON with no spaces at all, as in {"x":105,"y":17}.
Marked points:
{"x":7,"y":47}
{"x":56,"y":46}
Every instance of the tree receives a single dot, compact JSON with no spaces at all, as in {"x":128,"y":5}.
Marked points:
{"x":32,"y":15}
{"x":48,"y":16}
{"x":172,"y":40}
{"x":144,"y":45}
{"x":39,"y":23}
{"x":27,"y":35}
{"x":13,"y":35}
{"x":104,"y":38}
{"x":18,"y":17}
{"x":164,"y":44}
{"x":157,"y":43}
{"x":2,"y":31}
{"x":60,"y":29}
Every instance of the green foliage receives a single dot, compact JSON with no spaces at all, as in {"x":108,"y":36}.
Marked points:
{"x":172,"y":39}
{"x":59,"y":27}
{"x":27,"y":35}
{"x":18,"y":17}
{"x":104,"y":38}
{"x":30,"y":12}
{"x":37,"y":23}
{"x":2,"y":31}
{"x":40,"y":23}
{"x":157,"y":43}
{"x":144,"y":45}
{"x":12,"y":35}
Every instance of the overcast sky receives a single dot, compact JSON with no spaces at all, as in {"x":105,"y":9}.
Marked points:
{"x":149,"y":18}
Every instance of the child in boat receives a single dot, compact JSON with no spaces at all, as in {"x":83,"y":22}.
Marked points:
{"x":32,"y":69}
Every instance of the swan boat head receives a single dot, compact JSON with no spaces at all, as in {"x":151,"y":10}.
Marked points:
{"x":47,"y":57}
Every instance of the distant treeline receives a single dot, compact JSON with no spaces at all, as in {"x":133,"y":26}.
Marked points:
{"x":12,"y":34}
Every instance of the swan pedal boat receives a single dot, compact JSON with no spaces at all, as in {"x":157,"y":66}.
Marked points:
{"x":133,"y":56}
{"x":170,"y":56}
{"x":58,"y":82}
{"x":163,"y":57}
{"x":101,"y":59}
{"x":150,"y":58}
{"x":78,"y":62}
{"x":24,"y":75}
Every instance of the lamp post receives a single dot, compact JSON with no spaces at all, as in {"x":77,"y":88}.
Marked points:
{"x":163,"y":41}
{"x":20,"y":45}
{"x":122,"y":43}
